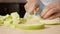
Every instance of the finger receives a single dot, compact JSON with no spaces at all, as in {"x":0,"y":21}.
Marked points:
{"x":35,"y":9}
{"x":48,"y":7}
{"x":29,"y":7}
{"x":26,"y":7}
{"x":54,"y":16}
{"x":51,"y":12}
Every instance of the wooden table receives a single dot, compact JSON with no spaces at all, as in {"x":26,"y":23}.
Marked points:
{"x":50,"y":29}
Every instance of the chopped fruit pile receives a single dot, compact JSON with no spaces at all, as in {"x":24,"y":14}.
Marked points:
{"x":30,"y":22}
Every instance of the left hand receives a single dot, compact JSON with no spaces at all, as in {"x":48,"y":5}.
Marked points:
{"x":51,"y":11}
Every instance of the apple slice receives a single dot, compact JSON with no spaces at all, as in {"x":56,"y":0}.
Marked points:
{"x":32,"y":23}
{"x":38,"y":18}
{"x":15,"y":18}
{"x":30,"y":26}
{"x":51,"y":22}
{"x":1,"y":20}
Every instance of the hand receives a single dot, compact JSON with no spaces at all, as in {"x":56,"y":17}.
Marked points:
{"x":31,"y":5}
{"x":51,"y":11}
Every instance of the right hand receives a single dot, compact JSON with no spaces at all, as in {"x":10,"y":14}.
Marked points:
{"x":31,"y":5}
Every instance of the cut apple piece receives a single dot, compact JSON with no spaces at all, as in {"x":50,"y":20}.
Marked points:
{"x":32,"y":23}
{"x":1,"y":20}
{"x":53,"y":21}
{"x":7,"y":20}
{"x":15,"y":18}
{"x":37,"y":18}
{"x":30,"y":26}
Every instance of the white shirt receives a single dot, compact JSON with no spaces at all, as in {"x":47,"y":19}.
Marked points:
{"x":46,"y":2}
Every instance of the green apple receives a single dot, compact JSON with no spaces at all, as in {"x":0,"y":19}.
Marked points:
{"x":7,"y":20}
{"x":53,"y":21}
{"x":15,"y":18}
{"x":32,"y":23}
{"x":1,"y":20}
{"x":30,"y":26}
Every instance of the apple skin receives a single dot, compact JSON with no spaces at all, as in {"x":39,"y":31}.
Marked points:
{"x":1,"y":23}
{"x":29,"y":27}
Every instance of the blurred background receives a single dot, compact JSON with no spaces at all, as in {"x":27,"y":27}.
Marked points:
{"x":9,"y":6}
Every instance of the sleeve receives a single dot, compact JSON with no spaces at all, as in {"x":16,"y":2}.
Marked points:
{"x":46,"y":2}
